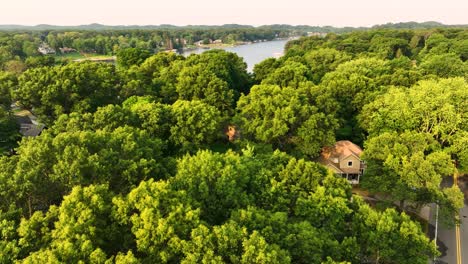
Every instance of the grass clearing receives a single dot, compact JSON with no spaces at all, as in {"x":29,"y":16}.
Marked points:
{"x":82,"y":56}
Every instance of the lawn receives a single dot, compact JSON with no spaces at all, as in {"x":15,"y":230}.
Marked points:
{"x":72,"y":56}
{"x":82,"y":56}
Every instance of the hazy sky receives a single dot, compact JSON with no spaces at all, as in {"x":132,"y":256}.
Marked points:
{"x":216,"y":12}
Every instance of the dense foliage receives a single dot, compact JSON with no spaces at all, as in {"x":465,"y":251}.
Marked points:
{"x":135,"y":165}
{"x":230,"y":207}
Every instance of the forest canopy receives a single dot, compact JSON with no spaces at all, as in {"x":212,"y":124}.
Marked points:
{"x":162,"y":158}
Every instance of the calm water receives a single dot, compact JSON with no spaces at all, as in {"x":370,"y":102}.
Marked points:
{"x":253,"y":53}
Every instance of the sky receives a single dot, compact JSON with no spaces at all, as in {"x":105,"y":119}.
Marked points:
{"x":217,"y":12}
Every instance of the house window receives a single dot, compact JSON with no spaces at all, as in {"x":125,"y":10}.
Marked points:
{"x":350,"y":163}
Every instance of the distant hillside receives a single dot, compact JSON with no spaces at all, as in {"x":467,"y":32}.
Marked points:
{"x":416,"y":25}
{"x":303,"y":28}
{"x":96,"y":26}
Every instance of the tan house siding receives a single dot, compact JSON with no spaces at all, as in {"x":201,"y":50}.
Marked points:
{"x":356,"y":163}
{"x":334,"y":169}
{"x":338,"y":157}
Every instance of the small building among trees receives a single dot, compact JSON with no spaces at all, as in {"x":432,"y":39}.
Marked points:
{"x":44,"y":49}
{"x":66,"y":50}
{"x":344,"y":158}
{"x":29,"y":126}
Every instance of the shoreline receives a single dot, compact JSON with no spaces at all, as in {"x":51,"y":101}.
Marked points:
{"x":223,"y":46}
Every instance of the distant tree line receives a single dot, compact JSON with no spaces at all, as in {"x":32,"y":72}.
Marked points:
{"x":18,"y":43}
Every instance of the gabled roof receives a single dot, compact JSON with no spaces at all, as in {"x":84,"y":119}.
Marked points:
{"x":21,"y":120}
{"x":29,"y":127}
{"x":32,"y":131}
{"x":334,"y":167}
{"x":331,"y":156}
{"x":341,"y":150}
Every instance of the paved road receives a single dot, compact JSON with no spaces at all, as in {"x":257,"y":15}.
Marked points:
{"x":446,"y":237}
{"x":464,"y":233}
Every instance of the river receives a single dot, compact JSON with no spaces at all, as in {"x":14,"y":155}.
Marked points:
{"x":252,"y":53}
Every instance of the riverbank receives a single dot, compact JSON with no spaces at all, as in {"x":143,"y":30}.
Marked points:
{"x":213,"y":46}
{"x":252,"y":53}
{"x":226,"y":46}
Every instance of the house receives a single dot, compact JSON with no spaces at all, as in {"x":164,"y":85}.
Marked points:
{"x":316,"y":34}
{"x":44,"y":49}
{"x":181,"y":41}
{"x":344,"y":158}
{"x":29,"y":126}
{"x":65,"y":50}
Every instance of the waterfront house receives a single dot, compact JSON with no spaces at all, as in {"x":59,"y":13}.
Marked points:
{"x":65,"y":50}
{"x":44,"y":49}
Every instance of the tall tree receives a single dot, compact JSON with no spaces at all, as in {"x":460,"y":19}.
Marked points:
{"x":195,"y":124}
{"x":160,"y":220}
{"x":324,"y":60}
{"x":413,"y":136}
{"x":87,"y":235}
{"x":132,"y":56}
{"x":354,"y":84}
{"x":287,"y":116}
{"x":444,"y":66}
{"x":290,"y":74}
{"x":76,"y":87}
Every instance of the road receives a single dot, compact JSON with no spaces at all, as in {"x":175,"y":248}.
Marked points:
{"x":447,"y":242}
